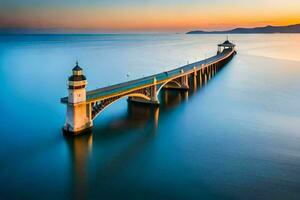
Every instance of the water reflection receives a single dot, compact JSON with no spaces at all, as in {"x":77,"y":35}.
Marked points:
{"x":178,"y":158}
{"x":172,"y":98}
{"x":80,"y":149}
{"x":137,"y":118}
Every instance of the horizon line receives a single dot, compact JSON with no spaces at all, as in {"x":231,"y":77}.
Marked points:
{"x":95,"y":31}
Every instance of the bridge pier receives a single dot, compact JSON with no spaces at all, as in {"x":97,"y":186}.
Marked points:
{"x":153,"y":93}
{"x":153,"y":96}
{"x":195,"y":79}
{"x":201,"y":75}
{"x":184,"y":81}
{"x":205,"y":75}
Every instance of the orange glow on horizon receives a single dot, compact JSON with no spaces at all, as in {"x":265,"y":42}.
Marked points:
{"x":150,"y":18}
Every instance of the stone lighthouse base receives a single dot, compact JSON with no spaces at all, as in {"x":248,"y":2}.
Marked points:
{"x":68,"y":130}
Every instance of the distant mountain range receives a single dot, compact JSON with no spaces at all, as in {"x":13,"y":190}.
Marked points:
{"x":264,"y":30}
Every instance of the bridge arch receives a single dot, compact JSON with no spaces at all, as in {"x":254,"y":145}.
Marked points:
{"x":139,"y":95}
{"x":174,"y":81}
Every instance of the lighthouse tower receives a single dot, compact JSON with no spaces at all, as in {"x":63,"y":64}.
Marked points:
{"x":78,"y":113}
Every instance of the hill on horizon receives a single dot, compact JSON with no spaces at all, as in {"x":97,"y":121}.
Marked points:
{"x":264,"y":30}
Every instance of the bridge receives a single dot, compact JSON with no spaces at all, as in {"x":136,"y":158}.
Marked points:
{"x":84,"y":106}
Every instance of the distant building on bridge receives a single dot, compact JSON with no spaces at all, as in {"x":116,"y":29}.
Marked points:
{"x":225,"y":45}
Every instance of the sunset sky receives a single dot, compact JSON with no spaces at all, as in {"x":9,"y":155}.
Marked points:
{"x":147,"y":15}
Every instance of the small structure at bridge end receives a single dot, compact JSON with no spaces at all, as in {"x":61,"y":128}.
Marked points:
{"x":225,"y":45}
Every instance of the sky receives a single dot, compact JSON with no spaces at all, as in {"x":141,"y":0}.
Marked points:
{"x":147,"y":15}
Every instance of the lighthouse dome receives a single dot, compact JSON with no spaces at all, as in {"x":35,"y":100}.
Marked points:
{"x":77,"y":74}
{"x":77,"y":68}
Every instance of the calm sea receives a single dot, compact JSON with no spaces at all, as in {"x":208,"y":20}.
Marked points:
{"x":238,"y":137}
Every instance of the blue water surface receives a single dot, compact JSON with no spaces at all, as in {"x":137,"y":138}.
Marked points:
{"x":238,"y":137}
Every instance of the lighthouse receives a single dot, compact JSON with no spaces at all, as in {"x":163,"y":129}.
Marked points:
{"x":78,"y":117}
{"x":76,"y":86}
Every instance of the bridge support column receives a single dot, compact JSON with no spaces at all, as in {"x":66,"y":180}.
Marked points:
{"x":153,"y":96}
{"x":205,"y":75}
{"x":184,"y":81}
{"x":195,"y":79}
{"x":201,"y":73}
{"x":200,"y":77}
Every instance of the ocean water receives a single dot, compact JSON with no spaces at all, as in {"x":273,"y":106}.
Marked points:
{"x":238,"y":137}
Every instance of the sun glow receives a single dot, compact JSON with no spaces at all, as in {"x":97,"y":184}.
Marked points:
{"x":175,"y":17}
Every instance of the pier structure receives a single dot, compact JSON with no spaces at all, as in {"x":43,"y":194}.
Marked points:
{"x":84,"y":106}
